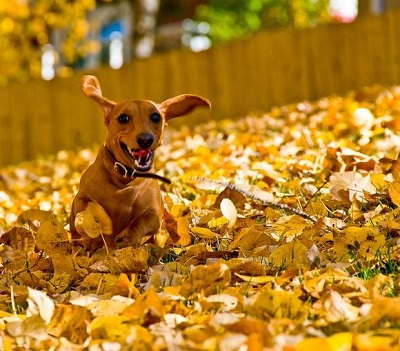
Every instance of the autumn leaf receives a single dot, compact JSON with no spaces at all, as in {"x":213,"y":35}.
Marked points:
{"x":292,"y":254}
{"x":51,"y":237}
{"x":394,"y":192}
{"x":127,"y":260}
{"x":209,"y":279}
{"x":277,"y":304}
{"x":365,"y":242}
{"x":93,"y":221}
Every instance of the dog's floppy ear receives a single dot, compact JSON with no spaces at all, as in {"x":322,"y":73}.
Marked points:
{"x":90,"y":86}
{"x":181,"y":105}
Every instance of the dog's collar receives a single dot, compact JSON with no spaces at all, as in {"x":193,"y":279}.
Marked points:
{"x":128,"y":172}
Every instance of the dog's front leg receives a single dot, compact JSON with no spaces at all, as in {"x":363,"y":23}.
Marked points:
{"x":145,"y":226}
{"x":91,"y":227}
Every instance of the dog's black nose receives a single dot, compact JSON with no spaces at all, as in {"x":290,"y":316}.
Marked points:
{"x":145,"y":140}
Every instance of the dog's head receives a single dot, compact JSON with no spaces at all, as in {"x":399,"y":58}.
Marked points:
{"x":136,"y":127}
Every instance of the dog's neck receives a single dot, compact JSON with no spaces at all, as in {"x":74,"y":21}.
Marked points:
{"x":130,"y":173}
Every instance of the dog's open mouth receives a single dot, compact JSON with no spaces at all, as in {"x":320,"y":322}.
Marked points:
{"x":142,"y":159}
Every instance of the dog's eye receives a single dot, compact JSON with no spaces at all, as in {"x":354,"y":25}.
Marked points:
{"x":155,"y":117}
{"x":123,"y":119}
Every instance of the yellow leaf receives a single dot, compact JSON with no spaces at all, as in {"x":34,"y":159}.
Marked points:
{"x":365,"y":241}
{"x":309,"y":344}
{"x":52,"y":238}
{"x":256,"y":280}
{"x":120,"y":329}
{"x":93,"y":221}
{"x":394,"y":192}
{"x":64,"y":273}
{"x":178,"y":210}
{"x":126,"y":287}
{"x":204,"y":233}
{"x":385,"y":308}
{"x":278,"y":304}
{"x":293,"y":254}
{"x":290,"y":226}
{"x":211,"y":279}
{"x":217,"y":223}
{"x":70,"y":321}
{"x":183,"y":231}
{"x":146,"y":306}
{"x":368,"y":342}
{"x":124,"y":260}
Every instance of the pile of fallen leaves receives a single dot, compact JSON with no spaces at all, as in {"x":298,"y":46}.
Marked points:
{"x":281,"y":233}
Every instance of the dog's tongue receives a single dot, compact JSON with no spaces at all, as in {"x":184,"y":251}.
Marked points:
{"x":143,"y":153}
{"x":142,"y":156}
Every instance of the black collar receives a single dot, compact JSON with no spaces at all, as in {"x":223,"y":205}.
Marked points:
{"x":128,"y":172}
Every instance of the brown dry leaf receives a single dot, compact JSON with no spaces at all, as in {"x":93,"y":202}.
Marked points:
{"x":195,"y":254}
{"x":52,"y":238}
{"x":171,"y":226}
{"x":20,"y":239}
{"x":237,"y":198}
{"x":249,"y":239}
{"x":126,"y":260}
{"x":247,"y":267}
{"x":13,"y":260}
{"x":34,"y":214}
{"x":98,"y":283}
{"x":64,"y":273}
{"x":210,"y":279}
{"x":93,"y":221}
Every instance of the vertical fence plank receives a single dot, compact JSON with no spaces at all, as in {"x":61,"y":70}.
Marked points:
{"x":5,"y":128}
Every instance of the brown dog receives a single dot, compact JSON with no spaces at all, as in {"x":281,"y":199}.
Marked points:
{"x":119,"y":199}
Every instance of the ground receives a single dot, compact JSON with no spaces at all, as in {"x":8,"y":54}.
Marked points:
{"x":281,"y":233}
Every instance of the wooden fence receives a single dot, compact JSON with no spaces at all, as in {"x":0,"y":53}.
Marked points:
{"x":270,"y":68}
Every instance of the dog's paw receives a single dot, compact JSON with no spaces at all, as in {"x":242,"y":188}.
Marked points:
{"x":93,"y":221}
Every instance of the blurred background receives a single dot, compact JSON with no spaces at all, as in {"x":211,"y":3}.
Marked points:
{"x":244,"y":55}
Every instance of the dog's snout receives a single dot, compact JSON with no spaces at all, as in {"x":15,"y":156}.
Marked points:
{"x":145,"y":140}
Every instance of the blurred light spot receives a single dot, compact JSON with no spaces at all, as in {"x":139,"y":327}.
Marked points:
{"x":200,"y":43}
{"x":48,"y":62}
{"x":344,"y":11}
{"x":116,"y":50}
